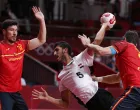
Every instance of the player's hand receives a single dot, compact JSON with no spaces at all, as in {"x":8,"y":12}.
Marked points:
{"x":94,"y":78}
{"x":37,"y":12}
{"x":40,"y":94}
{"x":105,"y":25}
{"x":84,"y":40}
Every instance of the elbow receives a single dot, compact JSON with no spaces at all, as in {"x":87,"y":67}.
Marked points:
{"x":42,"y":41}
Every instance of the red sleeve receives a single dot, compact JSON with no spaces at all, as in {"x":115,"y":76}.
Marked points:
{"x":120,"y":46}
{"x":25,"y":43}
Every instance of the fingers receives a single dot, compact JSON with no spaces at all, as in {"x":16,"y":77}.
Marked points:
{"x":43,"y":89}
{"x":84,"y":35}
{"x":36,"y":9}
{"x":35,"y":91}
{"x":35,"y":95}
{"x":80,"y":36}
{"x":35,"y":98}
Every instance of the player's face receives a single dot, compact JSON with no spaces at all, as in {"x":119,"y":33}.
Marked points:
{"x":10,"y":33}
{"x":58,"y":53}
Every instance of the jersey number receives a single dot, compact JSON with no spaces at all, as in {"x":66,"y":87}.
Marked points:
{"x":79,"y":74}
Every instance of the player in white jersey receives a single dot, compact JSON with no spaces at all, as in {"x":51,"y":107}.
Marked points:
{"x":75,"y":78}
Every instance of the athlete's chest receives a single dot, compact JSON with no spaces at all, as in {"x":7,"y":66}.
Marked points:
{"x":73,"y":70}
{"x":12,"y":53}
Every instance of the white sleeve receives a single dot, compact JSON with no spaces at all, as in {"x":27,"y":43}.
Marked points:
{"x":61,"y":87}
{"x":85,"y":58}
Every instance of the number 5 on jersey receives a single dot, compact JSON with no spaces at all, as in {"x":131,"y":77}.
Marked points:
{"x":79,"y":74}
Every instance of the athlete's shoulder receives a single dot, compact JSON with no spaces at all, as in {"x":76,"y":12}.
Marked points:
{"x":122,"y":42}
{"x":22,"y":42}
{"x":120,"y":46}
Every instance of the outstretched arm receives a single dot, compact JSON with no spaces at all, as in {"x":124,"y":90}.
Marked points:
{"x":109,"y":79}
{"x":41,"y":38}
{"x":110,"y":50}
{"x":43,"y":95}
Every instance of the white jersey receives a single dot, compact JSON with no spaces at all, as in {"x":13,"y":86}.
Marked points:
{"x":76,"y":77}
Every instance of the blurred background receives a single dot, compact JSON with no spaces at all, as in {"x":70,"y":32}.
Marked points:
{"x":65,"y":19}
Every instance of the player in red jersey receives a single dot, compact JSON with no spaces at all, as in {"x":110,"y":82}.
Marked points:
{"x":128,"y":63}
{"x":11,"y":61}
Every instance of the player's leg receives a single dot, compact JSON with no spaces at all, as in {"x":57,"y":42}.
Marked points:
{"x":129,"y":100}
{"x":20,"y":103}
{"x":102,"y":100}
{"x":6,"y":101}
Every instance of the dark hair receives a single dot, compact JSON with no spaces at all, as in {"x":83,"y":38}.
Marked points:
{"x":132,"y":37}
{"x":64,"y":44}
{"x":9,"y":22}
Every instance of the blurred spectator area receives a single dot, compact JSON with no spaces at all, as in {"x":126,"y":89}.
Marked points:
{"x":72,"y":16}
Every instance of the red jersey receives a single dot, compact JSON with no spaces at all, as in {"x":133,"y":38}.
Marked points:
{"x":11,"y":62}
{"x":128,"y":63}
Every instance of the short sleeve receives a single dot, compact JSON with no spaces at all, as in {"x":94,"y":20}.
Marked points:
{"x":120,"y":46}
{"x":25,"y":44}
{"x":85,"y":58}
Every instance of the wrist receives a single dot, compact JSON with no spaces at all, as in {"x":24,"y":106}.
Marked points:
{"x":41,"y":20}
{"x":99,"y":79}
{"x":48,"y":99}
{"x":106,"y":26}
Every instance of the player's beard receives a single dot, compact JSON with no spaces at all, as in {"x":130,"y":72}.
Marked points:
{"x":13,"y":40}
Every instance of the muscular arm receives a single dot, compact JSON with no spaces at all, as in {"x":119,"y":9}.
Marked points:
{"x":102,"y":50}
{"x":100,"y":34}
{"x":98,"y":39}
{"x":41,"y":37}
{"x":109,"y":79}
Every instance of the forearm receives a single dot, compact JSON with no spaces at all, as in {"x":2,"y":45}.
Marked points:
{"x":109,"y":79}
{"x":58,"y":102}
{"x":100,"y":50}
{"x":100,"y":35}
{"x":96,"y":48}
{"x":42,"y":32}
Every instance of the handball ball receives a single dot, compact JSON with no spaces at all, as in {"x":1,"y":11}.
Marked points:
{"x":108,"y":18}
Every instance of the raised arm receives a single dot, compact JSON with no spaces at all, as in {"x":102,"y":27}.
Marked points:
{"x":100,"y":34}
{"x":98,"y":39}
{"x":41,"y":37}
{"x":43,"y":95}
{"x":109,"y":79}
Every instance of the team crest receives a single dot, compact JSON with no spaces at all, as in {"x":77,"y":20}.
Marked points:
{"x":20,"y":47}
